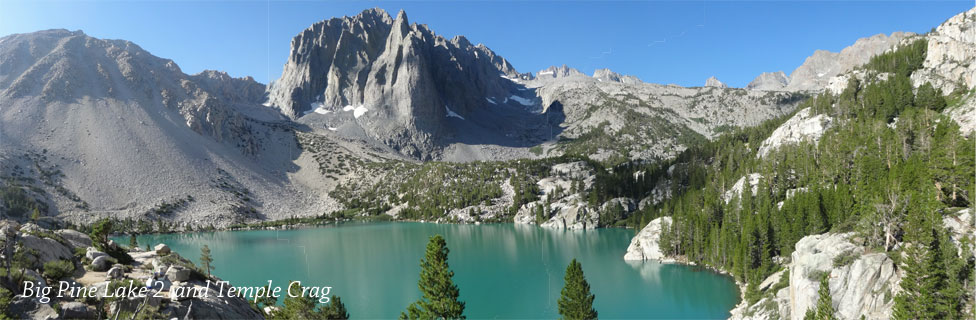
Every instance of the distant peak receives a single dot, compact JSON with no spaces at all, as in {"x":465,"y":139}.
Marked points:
{"x":608,"y":75}
{"x":401,"y":15}
{"x":379,"y":13}
{"x":559,"y":72}
{"x":769,"y":81}
{"x":713,"y":82}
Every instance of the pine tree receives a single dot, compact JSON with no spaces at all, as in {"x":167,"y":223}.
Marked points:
{"x":206,"y":259}
{"x":133,"y":243}
{"x":935,"y":283}
{"x":575,"y":300}
{"x":336,"y":310}
{"x":440,"y":294}
{"x":299,"y":306}
{"x":825,"y":304}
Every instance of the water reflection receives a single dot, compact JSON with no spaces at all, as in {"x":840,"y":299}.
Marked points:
{"x":374,"y":267}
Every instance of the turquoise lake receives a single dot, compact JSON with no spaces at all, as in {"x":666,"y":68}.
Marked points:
{"x":502,"y":270}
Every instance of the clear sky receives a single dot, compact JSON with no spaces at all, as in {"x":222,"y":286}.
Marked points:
{"x":681,"y":42}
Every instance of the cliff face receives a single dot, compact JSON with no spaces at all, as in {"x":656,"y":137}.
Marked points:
{"x":402,"y":81}
{"x":862,"y":283}
{"x":951,"y":51}
{"x":816,"y":70}
{"x":646,"y":245}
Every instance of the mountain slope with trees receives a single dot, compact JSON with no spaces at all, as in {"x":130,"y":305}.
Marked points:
{"x":888,"y":172}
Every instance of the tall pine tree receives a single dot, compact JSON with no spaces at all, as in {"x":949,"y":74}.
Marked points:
{"x":440,"y":294}
{"x":825,"y":304}
{"x":575,"y":300}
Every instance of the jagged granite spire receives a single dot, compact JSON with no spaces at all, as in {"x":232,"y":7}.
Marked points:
{"x":403,"y":78}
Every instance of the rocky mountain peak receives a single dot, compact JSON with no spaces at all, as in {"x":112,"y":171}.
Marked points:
{"x":816,"y":70}
{"x":403,"y":81}
{"x":554,"y":72}
{"x":769,"y":81}
{"x":608,"y":75}
{"x":713,"y":82}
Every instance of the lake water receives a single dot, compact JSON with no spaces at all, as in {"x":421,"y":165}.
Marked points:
{"x":502,"y":270}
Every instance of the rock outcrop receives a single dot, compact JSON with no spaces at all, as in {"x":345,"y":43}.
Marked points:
{"x":858,"y":284}
{"x":75,"y":239}
{"x":161,"y":249}
{"x":565,"y":209}
{"x":100,"y":263}
{"x":965,"y":114}
{"x":960,"y":227}
{"x":801,"y":127}
{"x":45,"y":249}
{"x":646,"y":245}
{"x":950,"y":54}
{"x":749,"y":182}
{"x":862,"y":283}
{"x":572,"y":213}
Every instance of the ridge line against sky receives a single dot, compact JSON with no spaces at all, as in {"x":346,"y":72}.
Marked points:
{"x":680,"y":42}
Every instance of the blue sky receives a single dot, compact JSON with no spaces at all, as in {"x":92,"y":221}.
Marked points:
{"x":681,"y":42}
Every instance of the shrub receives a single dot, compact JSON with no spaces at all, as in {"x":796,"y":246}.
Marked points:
{"x":845,"y":258}
{"x":5,"y":298}
{"x":58,"y":269}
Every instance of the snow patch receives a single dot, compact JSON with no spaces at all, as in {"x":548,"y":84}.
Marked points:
{"x":491,"y":101}
{"x":357,"y":111}
{"x":333,"y":129}
{"x":523,"y":101}
{"x":513,"y":79}
{"x":451,"y":113}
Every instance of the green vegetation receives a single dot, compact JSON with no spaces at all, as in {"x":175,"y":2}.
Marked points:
{"x":439,"y":293}
{"x":825,"y":304}
{"x":932,"y":287}
{"x":99,"y":235}
{"x":168,"y":208}
{"x":299,"y":306}
{"x":206,"y":259}
{"x":845,"y":258}
{"x":17,"y":201}
{"x":58,"y":269}
{"x":888,"y":159}
{"x":6,"y":297}
{"x":902,"y":61}
{"x":575,"y":299}
{"x":536,"y":150}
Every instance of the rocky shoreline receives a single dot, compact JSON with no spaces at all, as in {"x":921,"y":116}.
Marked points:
{"x":60,"y":274}
{"x":863,"y":282}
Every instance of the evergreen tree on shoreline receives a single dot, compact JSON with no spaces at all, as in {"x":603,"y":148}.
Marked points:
{"x":206,"y":259}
